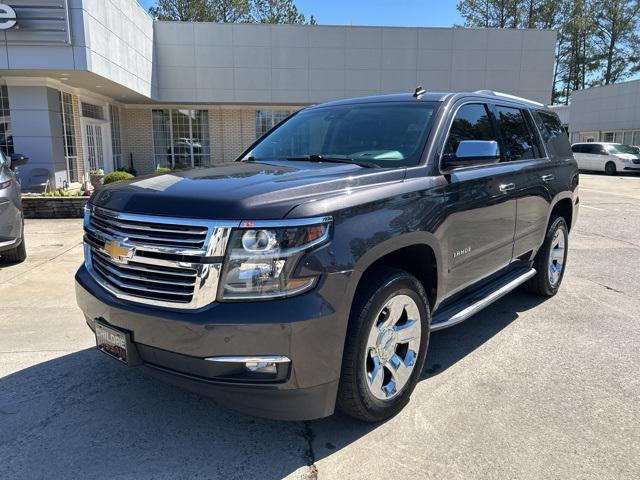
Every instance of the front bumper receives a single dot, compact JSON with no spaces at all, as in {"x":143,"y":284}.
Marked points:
{"x":308,"y":329}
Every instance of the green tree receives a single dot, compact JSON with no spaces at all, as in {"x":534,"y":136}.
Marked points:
{"x":278,"y":11}
{"x":617,"y":39}
{"x":180,"y":10}
{"x":229,"y":11}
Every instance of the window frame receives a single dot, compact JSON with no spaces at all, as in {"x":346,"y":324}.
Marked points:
{"x":171,"y":156}
{"x":533,"y":130}
{"x":445,"y":138}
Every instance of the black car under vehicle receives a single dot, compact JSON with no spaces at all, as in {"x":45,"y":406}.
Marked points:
{"x":309,"y":273}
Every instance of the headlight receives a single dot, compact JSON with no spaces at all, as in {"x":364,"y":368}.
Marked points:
{"x":5,"y":184}
{"x":260,"y":262}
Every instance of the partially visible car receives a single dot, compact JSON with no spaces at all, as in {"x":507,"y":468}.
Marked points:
{"x":12,"y":245}
{"x":610,"y":158}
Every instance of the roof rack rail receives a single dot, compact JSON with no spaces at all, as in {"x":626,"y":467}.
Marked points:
{"x":419,"y":91}
{"x":506,"y":95}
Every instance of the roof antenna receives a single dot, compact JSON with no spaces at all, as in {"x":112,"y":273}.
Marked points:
{"x":419,"y":91}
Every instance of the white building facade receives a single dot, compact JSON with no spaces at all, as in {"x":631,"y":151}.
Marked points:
{"x":610,"y":113}
{"x":89,"y":84}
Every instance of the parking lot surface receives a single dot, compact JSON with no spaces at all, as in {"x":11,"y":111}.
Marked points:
{"x":528,"y":388}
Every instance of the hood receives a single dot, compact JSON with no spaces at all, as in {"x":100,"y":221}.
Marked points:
{"x":626,"y":156}
{"x":239,"y":190}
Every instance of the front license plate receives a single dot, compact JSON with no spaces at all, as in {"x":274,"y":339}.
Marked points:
{"x":112,"y":342}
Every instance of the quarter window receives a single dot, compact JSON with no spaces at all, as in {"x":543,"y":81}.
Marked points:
{"x":518,"y":140}
{"x":553,"y":133}
{"x":472,"y":122}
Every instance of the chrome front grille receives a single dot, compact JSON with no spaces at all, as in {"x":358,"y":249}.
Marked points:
{"x":166,"y":262}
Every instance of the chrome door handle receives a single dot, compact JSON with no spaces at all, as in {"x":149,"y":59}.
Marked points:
{"x":547,"y":178}
{"x":507,"y":187}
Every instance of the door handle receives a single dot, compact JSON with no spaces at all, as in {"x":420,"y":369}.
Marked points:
{"x":547,"y":178}
{"x":507,"y":187}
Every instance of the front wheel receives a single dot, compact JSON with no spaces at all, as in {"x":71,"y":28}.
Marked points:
{"x":551,"y":259}
{"x":386,"y":346}
{"x":15,"y":255}
{"x":610,"y":168}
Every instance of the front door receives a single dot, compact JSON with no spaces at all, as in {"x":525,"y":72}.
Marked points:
{"x":479,"y":228}
{"x":97,"y":145}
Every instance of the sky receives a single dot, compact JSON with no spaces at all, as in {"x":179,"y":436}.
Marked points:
{"x":400,"y":13}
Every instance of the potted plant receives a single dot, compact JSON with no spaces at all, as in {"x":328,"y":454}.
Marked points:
{"x":95,"y":177}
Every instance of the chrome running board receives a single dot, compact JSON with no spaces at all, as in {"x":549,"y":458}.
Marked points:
{"x":467,"y":307}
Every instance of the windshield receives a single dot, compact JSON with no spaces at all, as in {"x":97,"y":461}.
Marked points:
{"x":385,"y":134}
{"x":621,"y":149}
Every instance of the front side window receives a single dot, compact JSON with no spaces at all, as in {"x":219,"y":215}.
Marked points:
{"x":389,"y":134}
{"x":472,"y":122}
{"x":620,"y":149}
{"x":518,"y":139}
{"x":181,"y":138}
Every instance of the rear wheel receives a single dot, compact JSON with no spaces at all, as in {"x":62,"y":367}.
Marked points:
{"x":610,"y":168}
{"x":386,"y":346}
{"x":551,"y":259}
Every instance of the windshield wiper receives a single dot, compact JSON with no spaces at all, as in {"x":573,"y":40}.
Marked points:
{"x":322,"y":158}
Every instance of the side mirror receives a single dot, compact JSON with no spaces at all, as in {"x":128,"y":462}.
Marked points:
{"x":473,"y":152}
{"x":17,"y":159}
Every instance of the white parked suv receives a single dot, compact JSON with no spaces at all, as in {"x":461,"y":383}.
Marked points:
{"x":606,"y":157}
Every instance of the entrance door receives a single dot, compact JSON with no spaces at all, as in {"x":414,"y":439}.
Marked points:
{"x":97,"y":145}
{"x":95,"y":150}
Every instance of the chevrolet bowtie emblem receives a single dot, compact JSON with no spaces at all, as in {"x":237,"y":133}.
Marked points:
{"x":118,"y":252}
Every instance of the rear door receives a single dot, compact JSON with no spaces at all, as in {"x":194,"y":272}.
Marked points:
{"x":477,"y":234}
{"x":532,"y":176}
{"x":597,"y":157}
{"x":579,"y":153}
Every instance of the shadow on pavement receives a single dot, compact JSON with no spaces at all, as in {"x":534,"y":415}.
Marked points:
{"x":85,"y":416}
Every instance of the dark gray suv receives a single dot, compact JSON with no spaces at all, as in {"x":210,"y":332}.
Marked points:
{"x":310,"y":273}
{"x":12,"y":244}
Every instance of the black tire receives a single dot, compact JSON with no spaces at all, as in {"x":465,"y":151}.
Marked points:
{"x":15,"y":255}
{"x":541,"y":283}
{"x":610,"y":168}
{"x":354,"y":396}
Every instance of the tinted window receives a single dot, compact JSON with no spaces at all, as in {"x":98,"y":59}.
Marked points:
{"x":472,"y":122}
{"x":553,"y":133}
{"x":390,"y":134}
{"x":594,"y":149}
{"x":519,"y":142}
{"x":577,"y":148}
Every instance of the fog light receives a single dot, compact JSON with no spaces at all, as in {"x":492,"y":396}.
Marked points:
{"x":260,"y":364}
{"x":262,"y":367}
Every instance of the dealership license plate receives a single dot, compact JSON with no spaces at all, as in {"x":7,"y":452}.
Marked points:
{"x":112,"y":342}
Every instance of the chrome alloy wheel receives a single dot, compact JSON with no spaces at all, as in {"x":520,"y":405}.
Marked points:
{"x":556,"y":257}
{"x":392,"y":347}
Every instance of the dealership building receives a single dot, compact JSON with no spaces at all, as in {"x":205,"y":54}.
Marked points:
{"x":88,"y":84}
{"x":609,"y":113}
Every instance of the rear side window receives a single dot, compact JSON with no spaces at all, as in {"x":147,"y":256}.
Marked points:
{"x":472,"y":122}
{"x":554,"y":134}
{"x":577,"y":148}
{"x":519,"y":141}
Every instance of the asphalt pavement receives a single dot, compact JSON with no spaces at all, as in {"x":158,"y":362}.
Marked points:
{"x":528,"y":388}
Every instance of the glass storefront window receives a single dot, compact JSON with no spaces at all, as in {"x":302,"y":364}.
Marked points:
{"x":69,"y":137}
{"x":181,"y":138}
{"x":267,"y":119}
{"x":116,"y":141}
{"x":6,"y":134}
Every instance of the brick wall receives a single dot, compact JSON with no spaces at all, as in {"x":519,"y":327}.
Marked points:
{"x":231,"y":131}
{"x":53,"y":207}
{"x":137,"y":139}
